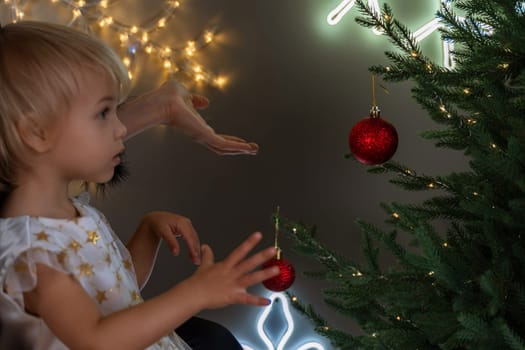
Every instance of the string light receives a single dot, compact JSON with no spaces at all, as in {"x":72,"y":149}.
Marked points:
{"x":136,"y":38}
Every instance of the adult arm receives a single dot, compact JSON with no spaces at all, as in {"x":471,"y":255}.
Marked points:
{"x":171,"y":104}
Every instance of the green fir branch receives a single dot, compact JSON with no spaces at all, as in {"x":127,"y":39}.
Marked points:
{"x":512,"y":338}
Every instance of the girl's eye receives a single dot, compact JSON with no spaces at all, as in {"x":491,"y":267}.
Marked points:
{"x":104,"y":113}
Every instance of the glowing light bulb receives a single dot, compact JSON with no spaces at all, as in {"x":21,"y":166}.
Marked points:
{"x":173,"y":4}
{"x":190,"y":48}
{"x":220,"y":81}
{"x":208,"y":37}
{"x":77,"y":13}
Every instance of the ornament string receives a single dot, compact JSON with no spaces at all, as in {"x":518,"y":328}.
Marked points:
{"x":374,"y":91}
{"x":276,"y":233}
{"x":374,"y":111}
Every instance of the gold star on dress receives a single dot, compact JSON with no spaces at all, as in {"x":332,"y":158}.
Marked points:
{"x":108,"y":259}
{"x":21,"y":267}
{"x":85,"y":270}
{"x":42,"y":236}
{"x":93,"y":237}
{"x":75,"y":246}
{"x":127,"y":264}
{"x":61,"y":257}
{"x":135,"y":296}
{"x":101,"y":296}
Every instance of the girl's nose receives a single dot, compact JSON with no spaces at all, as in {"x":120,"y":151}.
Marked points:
{"x":121,"y":130}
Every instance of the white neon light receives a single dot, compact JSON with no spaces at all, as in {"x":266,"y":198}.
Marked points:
{"x":426,"y":30}
{"x":289,"y":327}
{"x":448,"y":56}
{"x":337,"y":14}
{"x":374,"y":6}
{"x":289,"y":322}
{"x":311,"y":345}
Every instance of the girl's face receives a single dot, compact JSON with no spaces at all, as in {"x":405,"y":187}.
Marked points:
{"x":90,"y":138}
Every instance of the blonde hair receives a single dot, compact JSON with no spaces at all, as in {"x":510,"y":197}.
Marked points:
{"x":41,"y":65}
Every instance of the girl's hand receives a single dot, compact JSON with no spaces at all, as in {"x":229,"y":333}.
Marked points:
{"x":179,"y":110}
{"x":225,"y":282}
{"x":169,"y":226}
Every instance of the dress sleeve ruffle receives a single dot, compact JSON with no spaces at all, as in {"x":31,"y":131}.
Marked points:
{"x":21,"y":275}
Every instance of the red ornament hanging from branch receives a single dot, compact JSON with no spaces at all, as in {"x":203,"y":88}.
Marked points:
{"x":373,"y":140}
{"x":286,"y":276}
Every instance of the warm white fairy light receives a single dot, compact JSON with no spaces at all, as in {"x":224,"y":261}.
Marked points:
{"x":208,"y":36}
{"x":137,"y":37}
{"x":161,"y":23}
{"x":190,"y":48}
{"x":144,"y":38}
{"x":126,"y":61}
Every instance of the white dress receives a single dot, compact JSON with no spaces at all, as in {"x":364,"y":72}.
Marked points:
{"x":85,"y":248}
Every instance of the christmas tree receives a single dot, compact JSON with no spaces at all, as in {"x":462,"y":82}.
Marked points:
{"x":461,"y":287}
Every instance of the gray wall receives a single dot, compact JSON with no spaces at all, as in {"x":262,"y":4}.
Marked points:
{"x":298,"y":86}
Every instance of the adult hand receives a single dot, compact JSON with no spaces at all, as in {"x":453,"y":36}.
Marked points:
{"x":180,"y":111}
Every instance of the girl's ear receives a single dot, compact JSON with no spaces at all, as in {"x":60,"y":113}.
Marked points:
{"x":34,"y":135}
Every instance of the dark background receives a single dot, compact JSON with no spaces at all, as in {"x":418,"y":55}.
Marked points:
{"x":297,"y":86}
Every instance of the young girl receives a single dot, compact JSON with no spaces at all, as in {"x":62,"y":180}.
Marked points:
{"x":66,"y":280}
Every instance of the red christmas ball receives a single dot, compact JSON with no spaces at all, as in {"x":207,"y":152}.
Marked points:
{"x":284,"y":279}
{"x":373,"y":140}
